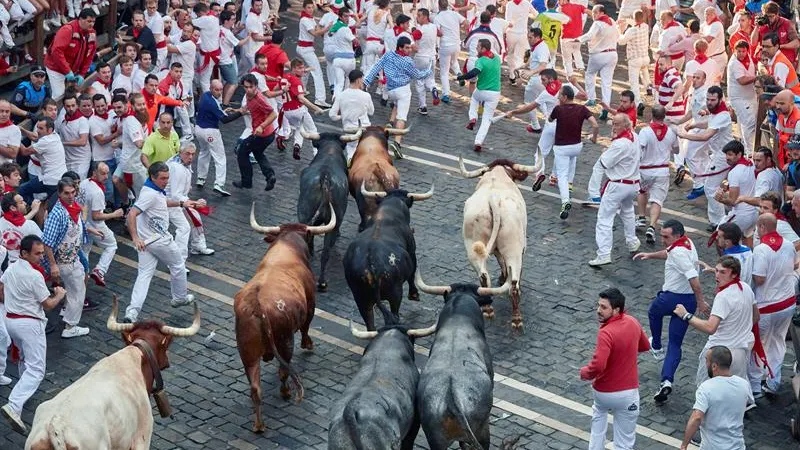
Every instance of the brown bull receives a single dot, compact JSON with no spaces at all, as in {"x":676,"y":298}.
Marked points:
{"x":372,"y":166}
{"x":276,"y":303}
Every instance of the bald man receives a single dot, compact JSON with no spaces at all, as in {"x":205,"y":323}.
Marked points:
{"x":620,"y":164}
{"x":788,"y":124}
{"x":773,"y":280}
{"x":209,"y":139}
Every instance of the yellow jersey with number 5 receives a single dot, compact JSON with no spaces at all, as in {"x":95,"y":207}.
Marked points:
{"x":551,"y":22}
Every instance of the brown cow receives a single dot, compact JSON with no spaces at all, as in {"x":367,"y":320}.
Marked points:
{"x":372,"y":166}
{"x":277,"y":302}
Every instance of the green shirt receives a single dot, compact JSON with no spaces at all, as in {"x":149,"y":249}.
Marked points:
{"x":157,"y":148}
{"x":489,"y":78}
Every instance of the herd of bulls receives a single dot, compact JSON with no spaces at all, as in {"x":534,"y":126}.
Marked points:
{"x":388,"y":399}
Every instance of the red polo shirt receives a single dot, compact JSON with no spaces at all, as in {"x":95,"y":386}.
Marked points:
{"x":614,"y":364}
{"x":260,"y":110}
{"x":276,"y":59}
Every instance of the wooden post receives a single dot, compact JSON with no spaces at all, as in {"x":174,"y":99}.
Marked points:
{"x":111,"y":23}
{"x":761,"y":114}
{"x":38,"y":39}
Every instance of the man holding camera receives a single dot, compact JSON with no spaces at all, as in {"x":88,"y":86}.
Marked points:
{"x":771,"y":22}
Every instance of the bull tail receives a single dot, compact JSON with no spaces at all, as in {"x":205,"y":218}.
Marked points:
{"x":270,"y":338}
{"x":323,"y":213}
{"x":459,"y":414}
{"x":484,"y":250}
{"x":351,"y":423}
{"x":55,"y":432}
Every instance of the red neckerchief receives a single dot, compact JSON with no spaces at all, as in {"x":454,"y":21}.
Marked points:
{"x":715,"y":19}
{"x":627,"y":134}
{"x":15,"y":217}
{"x":536,"y":45}
{"x":7,"y":123}
{"x":102,"y":116}
{"x":720,"y":107}
{"x":659,"y":129}
{"x":701,"y":58}
{"x":136,"y":33}
{"x":129,"y":113}
{"x":39,"y":269}
{"x":305,"y":14}
{"x":735,"y":281}
{"x":401,"y":53}
{"x":746,"y":62}
{"x":398,"y":30}
{"x":487,"y":53}
{"x":517,"y":2}
{"x":553,"y":87}
{"x":255,"y":70}
{"x":75,"y":116}
{"x":605,"y":19}
{"x":773,"y":240}
{"x":99,"y":184}
{"x":682,"y":241}
{"x":8,"y":188}
{"x":779,"y":215}
{"x":74,"y":210}
{"x":744,"y":161}
{"x":107,"y":85}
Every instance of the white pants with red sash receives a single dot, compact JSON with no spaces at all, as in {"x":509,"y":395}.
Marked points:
{"x":188,"y":229}
{"x":618,"y":198}
{"x":772,"y":327}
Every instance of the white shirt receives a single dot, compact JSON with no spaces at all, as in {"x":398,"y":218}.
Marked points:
{"x":769,"y":180}
{"x":778,"y":270}
{"x":24,"y":290}
{"x":547,"y":101}
{"x":342,"y":40}
{"x":601,"y":36}
{"x":629,"y":7}
{"x":132,"y":131}
{"x":426,"y":44}
{"x":681,"y":266}
{"x":100,"y":88}
{"x":180,"y":180}
{"x":540,"y":56}
{"x":72,"y":131}
{"x":101,"y":127}
{"x":621,"y":159}
{"x":354,"y":106}
{"x":227,"y":43}
{"x":721,"y":122}
{"x":153,"y":220}
{"x":472,"y":43}
{"x":784,"y":229}
{"x":10,"y":136}
{"x":744,"y":178}
{"x":50,"y":152}
{"x":717,"y":32}
{"x":655,"y":152}
{"x":499,"y":26}
{"x":636,"y":41}
{"x":517,"y":16}
{"x":709,"y":67}
{"x":699,"y":8}
{"x":734,"y":307}
{"x":668,"y":36}
{"x":137,"y":80}
{"x":738,"y":91}
{"x":329,"y":18}
{"x":305,"y":27}
{"x":209,"y":32}
{"x":253,"y":24}
{"x":664,"y":5}
{"x":187,"y":56}
{"x":93,"y":198}
{"x":156,"y":25}
{"x":449,"y":23}
{"x":122,"y":82}
{"x":11,"y":236}
{"x":376,"y":29}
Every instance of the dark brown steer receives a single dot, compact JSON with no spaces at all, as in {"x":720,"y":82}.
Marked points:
{"x":276,"y":303}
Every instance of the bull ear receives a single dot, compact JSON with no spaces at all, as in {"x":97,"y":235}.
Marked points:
{"x":126,"y":336}
{"x":165,"y":341}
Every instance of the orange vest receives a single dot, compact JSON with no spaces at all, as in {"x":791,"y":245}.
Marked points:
{"x":787,"y":125}
{"x":791,"y":80}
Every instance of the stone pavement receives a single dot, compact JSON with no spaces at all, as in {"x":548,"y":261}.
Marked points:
{"x":540,"y":401}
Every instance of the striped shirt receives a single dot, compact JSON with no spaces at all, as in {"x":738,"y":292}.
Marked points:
{"x":666,"y":90}
{"x":636,"y":40}
{"x":399,"y":71}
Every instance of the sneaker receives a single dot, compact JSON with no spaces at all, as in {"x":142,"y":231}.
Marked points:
{"x":597,"y":262}
{"x":750,"y":406}
{"x":471,"y":125}
{"x":769,"y":390}
{"x":591,"y":103}
{"x":73,"y":332}
{"x":423,"y":110}
{"x":270,"y":183}
{"x":680,"y":174}
{"x":603,"y":115}
{"x":89,"y":305}
{"x":538,"y":183}
{"x":253,"y":159}
{"x":221,"y":191}
{"x":593,"y":201}
{"x":663,"y":392}
{"x":658,"y":353}
{"x":435,"y":95}
{"x":530,"y":129}
{"x":565,"y":207}
{"x":202,"y":251}
{"x":695,"y":193}
{"x":240,"y":185}
{"x":296,"y":152}
{"x":571,"y":187}
{"x":396,"y":150}
{"x":477,"y":148}
{"x":641,"y":222}
{"x":633,"y":248}
{"x":16,"y":421}
{"x":280,"y":143}
{"x":758,"y":395}
{"x":186,"y":301}
{"x":46,"y":26}
{"x":4,"y":380}
{"x":650,"y":235}
{"x":200,"y":183}
{"x":446,"y":99}
{"x":712,"y":227}
{"x":98,"y":277}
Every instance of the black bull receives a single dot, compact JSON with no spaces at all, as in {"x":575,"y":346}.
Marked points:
{"x":324,"y":182}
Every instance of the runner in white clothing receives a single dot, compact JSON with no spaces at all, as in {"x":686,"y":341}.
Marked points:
{"x":14,"y":226}
{"x":254,"y":24}
{"x":449,"y":23}
{"x":768,"y":178}
{"x":92,"y":197}
{"x":714,"y":33}
{"x":353,"y":106}
{"x":425,"y":36}
{"x":602,"y":40}
{"x":308,"y":31}
{"x":635,"y":40}
{"x":155,"y":23}
{"x":537,"y":62}
{"x":74,"y":132}
{"x":741,"y":181}
{"x":518,"y":13}
{"x":209,"y":50}
{"x":379,"y":19}
{"x":658,"y":143}
{"x":189,"y":230}
{"x":741,"y":75}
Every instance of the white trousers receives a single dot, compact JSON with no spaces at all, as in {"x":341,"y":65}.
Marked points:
{"x":166,"y":251}
{"x":772,"y":328}
{"x":312,"y":62}
{"x":624,"y":407}
{"x":746,"y":117}
{"x":294,"y":120}
{"x":204,"y":77}
{"x":716,"y":210}
{"x":329,"y":69}
{"x":424,"y":85}
{"x":695,"y":155}
{"x":517,"y":44}
{"x":5,"y":339}
{"x":532,"y":91}
{"x":185,"y":233}
{"x":546,"y":140}
{"x":79,"y":166}
{"x":210,"y":145}
{"x":56,"y":83}
{"x":74,"y":279}
{"x":448,"y":62}
{"x":489,"y":100}
{"x":638,"y":69}
{"x":29,"y":336}
{"x":603,"y":63}
{"x":372,"y":52}
{"x":182,"y":114}
{"x":342,"y":68}
{"x":402,"y":99}
{"x":566,"y":156}
{"x":618,"y":198}
{"x":108,"y":243}
{"x":571,"y":55}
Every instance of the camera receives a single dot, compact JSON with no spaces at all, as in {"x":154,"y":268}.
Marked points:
{"x":761,"y":20}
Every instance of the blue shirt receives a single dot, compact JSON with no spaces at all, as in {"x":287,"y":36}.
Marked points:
{"x":26,"y":97}
{"x":55,"y":228}
{"x":209,"y":112}
{"x":793,"y":174}
{"x":399,"y":71}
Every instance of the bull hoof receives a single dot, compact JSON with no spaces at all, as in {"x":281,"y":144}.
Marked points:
{"x":322,"y":286}
{"x":517,"y":326}
{"x":488,"y":312}
{"x":259,"y":428}
{"x":307,"y":344}
{"x":413,"y":296}
{"x":285,"y":393}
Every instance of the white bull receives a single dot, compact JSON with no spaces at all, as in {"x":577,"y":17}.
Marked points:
{"x":109,"y":407}
{"x":495,"y":223}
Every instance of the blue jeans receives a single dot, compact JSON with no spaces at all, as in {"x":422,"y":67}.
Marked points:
{"x":662,"y":306}
{"x":34,"y":186}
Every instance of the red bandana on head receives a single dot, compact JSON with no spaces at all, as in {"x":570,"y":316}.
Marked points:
{"x":735,"y":281}
{"x":605,"y":19}
{"x":682,"y":241}
{"x":74,"y":210}
{"x":773,"y":240}
{"x":659,"y":129}
{"x":15,"y":217}
{"x":553,"y":87}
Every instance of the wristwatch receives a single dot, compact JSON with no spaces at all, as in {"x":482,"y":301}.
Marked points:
{"x":181,"y":203}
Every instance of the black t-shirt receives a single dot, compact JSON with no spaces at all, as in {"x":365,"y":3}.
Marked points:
{"x":145,"y":39}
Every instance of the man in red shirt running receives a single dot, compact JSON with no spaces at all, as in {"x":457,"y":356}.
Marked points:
{"x":614,"y":372}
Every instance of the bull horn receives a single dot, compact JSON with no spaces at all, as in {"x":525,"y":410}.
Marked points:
{"x":424,"y":196}
{"x":370,"y":194}
{"x":322,"y":229}
{"x":435,"y":290}
{"x":308,"y":135}
{"x":112,"y":323}
{"x":352,"y":137}
{"x":257,"y":227}
{"x":530,"y":169}
{"x":396,"y":131}
{"x":471,"y":173}
{"x":185,"y":332}
{"x":362,"y":334}
{"x":422,"y":332}
{"x":495,"y":291}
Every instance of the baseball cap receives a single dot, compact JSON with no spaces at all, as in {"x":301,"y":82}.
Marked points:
{"x":794,"y":142}
{"x":37,"y":69}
